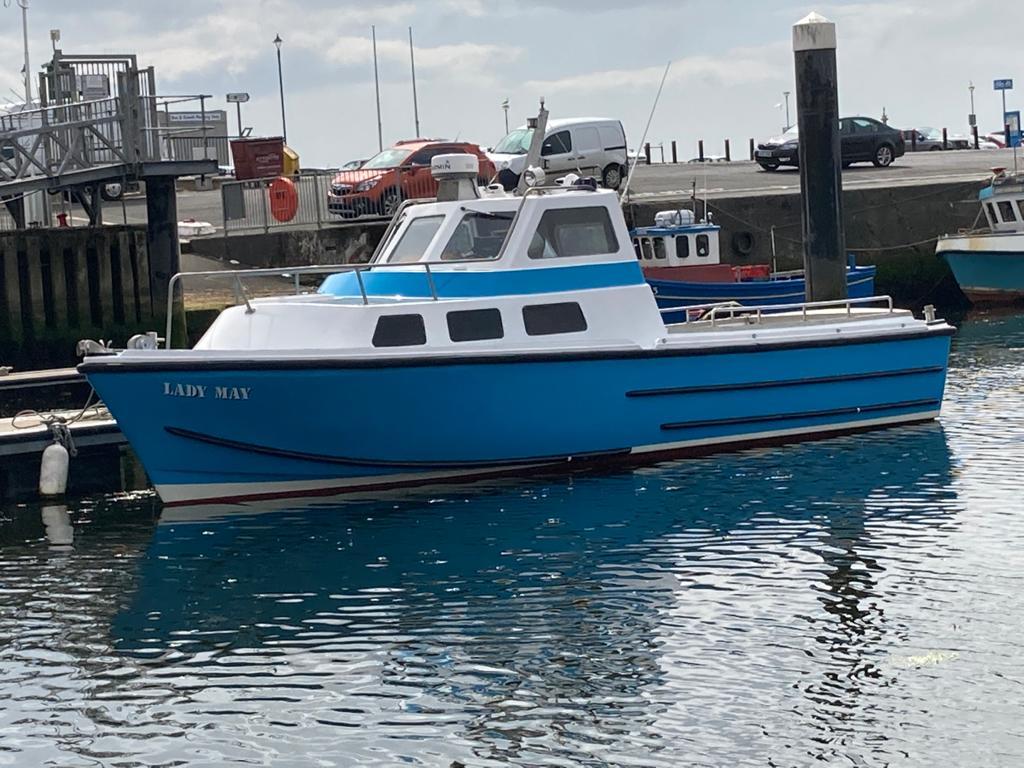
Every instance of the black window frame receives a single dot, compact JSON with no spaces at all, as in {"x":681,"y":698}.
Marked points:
{"x":705,"y":247}
{"x":544,"y":319}
{"x":660,"y":252}
{"x":460,"y":332}
{"x":417,"y":339}
{"x":685,"y":240}
{"x":992,"y":213}
{"x":1004,"y":206}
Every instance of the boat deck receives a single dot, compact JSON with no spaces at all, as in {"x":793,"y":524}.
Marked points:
{"x":29,"y":434}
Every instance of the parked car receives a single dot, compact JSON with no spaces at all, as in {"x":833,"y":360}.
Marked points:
{"x":984,"y":142}
{"x":399,"y":173}
{"x":863,"y":139}
{"x":352,"y":165}
{"x":593,"y":146}
{"x":927,"y":139}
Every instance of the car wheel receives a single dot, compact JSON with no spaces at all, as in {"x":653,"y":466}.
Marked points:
{"x":883,"y":156}
{"x":508,"y":179}
{"x":112,"y":192}
{"x":611,"y":178}
{"x":769,"y":166}
{"x":936,"y":148}
{"x":389,"y":203}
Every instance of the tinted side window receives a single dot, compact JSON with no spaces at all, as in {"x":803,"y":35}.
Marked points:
{"x":865,"y":126}
{"x":659,"y":248}
{"x":545,"y":319}
{"x":399,"y":331}
{"x":648,"y":252}
{"x":557,"y":144}
{"x":991,"y":213}
{"x":475,"y":325}
{"x":703,"y":249}
{"x":573,"y":232}
{"x":682,"y":246}
{"x":1006,"y":211}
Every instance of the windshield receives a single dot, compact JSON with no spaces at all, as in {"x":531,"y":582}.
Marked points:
{"x":516,"y":143}
{"x":389,"y":158}
{"x":790,"y":134}
{"x":415,"y":240}
{"x":478,"y":236}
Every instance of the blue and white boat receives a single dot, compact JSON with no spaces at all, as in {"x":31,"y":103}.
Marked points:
{"x":988,"y":263}
{"x":681,"y":260}
{"x":494,"y":334}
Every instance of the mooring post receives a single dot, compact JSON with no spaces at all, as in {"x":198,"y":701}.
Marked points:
{"x":974,"y":135}
{"x":913,"y":140}
{"x":821,"y":184}
{"x":647,"y":152}
{"x":700,"y":150}
{"x":751,"y":150}
{"x":161,"y":235}
{"x":675,"y":157}
{"x":945,"y":139}
{"x":728,"y":153}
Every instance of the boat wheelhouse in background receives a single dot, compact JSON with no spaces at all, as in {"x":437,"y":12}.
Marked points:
{"x":495,"y":334}
{"x":681,"y":260}
{"x":988,"y":263}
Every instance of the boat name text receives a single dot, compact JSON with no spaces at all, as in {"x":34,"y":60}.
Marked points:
{"x":215,"y":392}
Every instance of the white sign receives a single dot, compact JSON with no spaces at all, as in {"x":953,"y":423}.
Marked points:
{"x":238,"y":98}
{"x":197,"y":117}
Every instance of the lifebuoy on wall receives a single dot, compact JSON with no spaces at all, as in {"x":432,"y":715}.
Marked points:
{"x":742,"y":243}
{"x":284,"y":199}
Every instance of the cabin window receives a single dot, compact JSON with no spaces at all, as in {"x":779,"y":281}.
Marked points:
{"x":564,"y":232}
{"x":417,"y":236}
{"x":478,"y":236}
{"x":659,"y":248}
{"x":1020,"y":206}
{"x":545,"y":319}
{"x":648,"y":248}
{"x":636,"y":249}
{"x":703,"y":248}
{"x":1006,"y":211}
{"x":475,"y":325}
{"x":399,"y":331}
{"x":682,"y":246}
{"x":991,"y":214}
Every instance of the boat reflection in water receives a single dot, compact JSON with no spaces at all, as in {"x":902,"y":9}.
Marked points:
{"x":623,"y":616}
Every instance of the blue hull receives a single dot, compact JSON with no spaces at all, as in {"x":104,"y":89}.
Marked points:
{"x":860,"y":283}
{"x":988,"y":277}
{"x":260,"y":430}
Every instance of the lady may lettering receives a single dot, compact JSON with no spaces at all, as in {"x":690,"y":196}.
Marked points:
{"x":217,"y":392}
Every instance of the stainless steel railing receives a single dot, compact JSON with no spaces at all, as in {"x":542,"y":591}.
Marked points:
{"x":754,"y":313}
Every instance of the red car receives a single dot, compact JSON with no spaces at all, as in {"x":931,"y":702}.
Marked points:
{"x":400,"y":173}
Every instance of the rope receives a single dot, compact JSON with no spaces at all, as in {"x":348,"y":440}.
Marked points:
{"x":894,"y":247}
{"x":59,"y":425}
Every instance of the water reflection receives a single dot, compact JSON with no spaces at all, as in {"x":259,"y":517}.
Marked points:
{"x":539,"y":623}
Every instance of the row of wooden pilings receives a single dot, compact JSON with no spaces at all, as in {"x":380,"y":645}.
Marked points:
{"x":59,"y":285}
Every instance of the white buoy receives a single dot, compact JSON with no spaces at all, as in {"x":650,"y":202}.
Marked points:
{"x":53,"y":471}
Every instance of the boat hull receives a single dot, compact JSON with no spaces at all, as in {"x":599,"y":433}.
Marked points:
{"x":988,"y":269}
{"x":860,"y":283}
{"x":266,"y":428}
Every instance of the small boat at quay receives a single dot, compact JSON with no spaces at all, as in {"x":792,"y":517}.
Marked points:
{"x":497,"y":334}
{"x":988,"y":263}
{"x":681,"y":260}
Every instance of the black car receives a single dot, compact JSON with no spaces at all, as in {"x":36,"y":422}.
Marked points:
{"x":864,"y":140}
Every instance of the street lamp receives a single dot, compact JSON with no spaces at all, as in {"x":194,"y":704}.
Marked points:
{"x":280,"y":86}
{"x":504,"y":106}
{"x":786,"y":95}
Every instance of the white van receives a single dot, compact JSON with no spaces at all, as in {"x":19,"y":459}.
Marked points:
{"x":592,"y":146}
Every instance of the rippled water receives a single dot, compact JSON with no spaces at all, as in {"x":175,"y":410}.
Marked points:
{"x":858,"y":601}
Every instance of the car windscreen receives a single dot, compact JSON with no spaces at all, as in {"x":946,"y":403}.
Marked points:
{"x":414,"y":241}
{"x":389,"y":158}
{"x":516,"y":143}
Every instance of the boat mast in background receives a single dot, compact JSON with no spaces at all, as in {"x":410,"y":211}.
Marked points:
{"x":643,"y":138}
{"x":415,"y":105}
{"x":376,"y":88}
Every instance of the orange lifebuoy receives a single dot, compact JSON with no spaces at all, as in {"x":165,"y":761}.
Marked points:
{"x":284,"y":199}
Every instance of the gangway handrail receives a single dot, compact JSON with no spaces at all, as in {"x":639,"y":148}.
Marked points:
{"x":710,"y":312}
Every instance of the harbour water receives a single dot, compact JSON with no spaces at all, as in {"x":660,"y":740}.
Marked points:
{"x":857,"y":601}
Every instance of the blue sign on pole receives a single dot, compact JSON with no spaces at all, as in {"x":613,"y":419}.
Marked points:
{"x":1003,"y":85}
{"x":1012,"y":119}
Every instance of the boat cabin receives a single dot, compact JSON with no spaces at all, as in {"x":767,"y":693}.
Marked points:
{"x":1003,"y":202}
{"x":676,"y":240}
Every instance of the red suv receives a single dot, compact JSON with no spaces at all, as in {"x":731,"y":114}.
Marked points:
{"x":400,"y":173}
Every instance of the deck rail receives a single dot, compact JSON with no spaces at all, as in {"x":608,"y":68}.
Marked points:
{"x":754,"y":313}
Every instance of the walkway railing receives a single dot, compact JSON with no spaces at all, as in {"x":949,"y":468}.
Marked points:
{"x":754,"y":313}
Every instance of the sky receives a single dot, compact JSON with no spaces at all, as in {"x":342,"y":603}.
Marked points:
{"x":731,"y":62}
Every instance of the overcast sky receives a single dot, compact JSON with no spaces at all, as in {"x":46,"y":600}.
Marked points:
{"x":731,"y":62}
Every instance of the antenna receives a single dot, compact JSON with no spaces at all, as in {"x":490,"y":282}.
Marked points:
{"x":643,"y":138}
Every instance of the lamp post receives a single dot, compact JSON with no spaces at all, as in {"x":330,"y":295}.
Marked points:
{"x":280,"y":86}
{"x":786,"y":96}
{"x":23,"y":4}
{"x":504,"y":106}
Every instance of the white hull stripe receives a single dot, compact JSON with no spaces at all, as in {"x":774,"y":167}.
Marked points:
{"x":198,"y":493}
